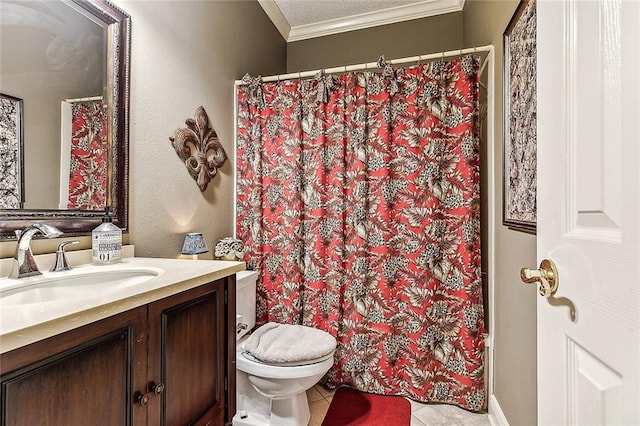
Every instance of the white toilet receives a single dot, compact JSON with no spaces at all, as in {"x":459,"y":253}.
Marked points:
{"x":270,"y":394}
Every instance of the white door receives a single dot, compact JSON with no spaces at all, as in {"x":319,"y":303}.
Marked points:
{"x":589,"y":211}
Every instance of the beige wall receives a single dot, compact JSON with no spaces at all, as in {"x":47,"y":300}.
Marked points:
{"x":185,"y":54}
{"x":515,"y":304}
{"x":435,"y":34}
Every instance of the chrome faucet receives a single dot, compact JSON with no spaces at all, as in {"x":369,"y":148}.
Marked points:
{"x":26,"y":263}
{"x":61,"y":263}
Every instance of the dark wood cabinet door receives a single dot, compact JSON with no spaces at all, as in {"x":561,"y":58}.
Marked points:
{"x":187,"y":353}
{"x":83,"y":377}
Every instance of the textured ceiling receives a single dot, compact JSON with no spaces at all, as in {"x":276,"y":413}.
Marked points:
{"x":305,"y":12}
{"x":304,"y":19}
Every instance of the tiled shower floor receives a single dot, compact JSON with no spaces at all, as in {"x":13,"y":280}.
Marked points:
{"x":421,"y":414}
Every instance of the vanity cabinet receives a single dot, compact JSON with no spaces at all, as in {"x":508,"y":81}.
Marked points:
{"x":170,"y":362}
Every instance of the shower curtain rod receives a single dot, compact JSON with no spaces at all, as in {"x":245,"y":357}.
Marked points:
{"x":357,"y":67}
{"x":90,"y":98}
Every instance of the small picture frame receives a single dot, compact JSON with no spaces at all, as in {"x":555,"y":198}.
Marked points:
{"x":11,"y":153}
{"x":519,"y":120}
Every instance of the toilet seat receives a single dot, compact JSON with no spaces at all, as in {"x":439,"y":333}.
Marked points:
{"x":288,"y":364}
{"x":279,"y":371}
{"x":289,"y":344}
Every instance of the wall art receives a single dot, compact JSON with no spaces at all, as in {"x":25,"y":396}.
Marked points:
{"x":11,"y":153}
{"x":519,"y":121}
{"x":198,"y":146}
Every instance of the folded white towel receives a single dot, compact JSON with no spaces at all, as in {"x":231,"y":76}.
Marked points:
{"x":278,"y":343}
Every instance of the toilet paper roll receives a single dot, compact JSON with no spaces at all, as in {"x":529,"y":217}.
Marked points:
{"x":242,"y":327}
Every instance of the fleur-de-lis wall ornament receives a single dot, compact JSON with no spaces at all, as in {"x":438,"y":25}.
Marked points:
{"x":198,"y":146}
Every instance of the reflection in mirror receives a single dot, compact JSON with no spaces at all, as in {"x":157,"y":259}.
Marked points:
{"x":83,"y":157}
{"x":68,"y":61}
{"x":11,"y":150}
{"x":61,"y":54}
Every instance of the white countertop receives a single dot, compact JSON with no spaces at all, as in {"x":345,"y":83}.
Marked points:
{"x":22,"y":324}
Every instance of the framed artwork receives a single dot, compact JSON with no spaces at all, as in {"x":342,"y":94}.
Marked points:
{"x":519,"y":120}
{"x":11,"y":153}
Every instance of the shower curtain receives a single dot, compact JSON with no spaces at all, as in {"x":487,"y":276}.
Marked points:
{"x":358,"y":202}
{"x":88,"y":163}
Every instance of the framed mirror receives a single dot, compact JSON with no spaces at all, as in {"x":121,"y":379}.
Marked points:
{"x":67,"y":61}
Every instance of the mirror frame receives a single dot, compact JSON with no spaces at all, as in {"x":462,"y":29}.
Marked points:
{"x":76,"y":222}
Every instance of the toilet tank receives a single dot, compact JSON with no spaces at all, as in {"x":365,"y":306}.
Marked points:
{"x":245,"y":302}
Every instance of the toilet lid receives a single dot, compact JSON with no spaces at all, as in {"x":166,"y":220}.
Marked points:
{"x":279,"y":344}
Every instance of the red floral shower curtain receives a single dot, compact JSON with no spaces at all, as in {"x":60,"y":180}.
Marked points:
{"x":358,"y":203}
{"x":88,"y":165}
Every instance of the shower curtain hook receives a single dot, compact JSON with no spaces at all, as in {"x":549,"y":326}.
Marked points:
{"x":419,"y":59}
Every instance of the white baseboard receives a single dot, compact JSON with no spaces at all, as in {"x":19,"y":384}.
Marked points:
{"x":496,"y":416}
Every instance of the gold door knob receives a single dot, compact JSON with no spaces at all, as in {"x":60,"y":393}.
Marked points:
{"x":546,"y":276}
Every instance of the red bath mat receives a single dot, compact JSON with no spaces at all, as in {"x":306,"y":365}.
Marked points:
{"x":350,"y":407}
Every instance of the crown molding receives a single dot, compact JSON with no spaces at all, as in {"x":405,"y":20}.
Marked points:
{"x":357,"y":22}
{"x":279,"y":21}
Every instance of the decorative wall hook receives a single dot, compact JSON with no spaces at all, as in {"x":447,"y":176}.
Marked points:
{"x":198,"y":146}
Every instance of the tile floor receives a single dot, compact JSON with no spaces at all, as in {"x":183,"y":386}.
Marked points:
{"x":421,"y":414}
{"x":319,"y":399}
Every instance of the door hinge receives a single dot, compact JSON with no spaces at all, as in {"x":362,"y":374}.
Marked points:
{"x":226,"y":296}
{"x":226,"y":383}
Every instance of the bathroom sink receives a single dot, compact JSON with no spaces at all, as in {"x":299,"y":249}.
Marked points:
{"x":50,"y":288}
